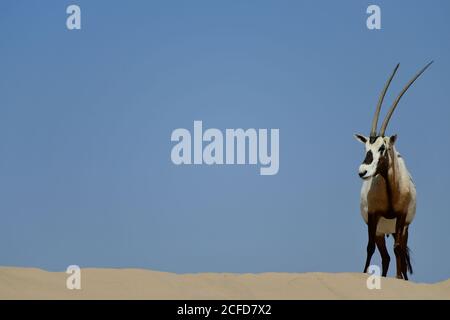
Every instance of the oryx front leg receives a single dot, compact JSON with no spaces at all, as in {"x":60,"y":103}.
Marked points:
{"x":372,"y":229}
{"x":385,"y":259}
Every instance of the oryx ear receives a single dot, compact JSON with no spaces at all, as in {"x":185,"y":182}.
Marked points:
{"x":392,"y":139}
{"x":361,"y":138}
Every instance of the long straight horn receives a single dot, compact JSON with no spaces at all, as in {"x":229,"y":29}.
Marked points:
{"x":373,"y":131}
{"x":397,"y":100}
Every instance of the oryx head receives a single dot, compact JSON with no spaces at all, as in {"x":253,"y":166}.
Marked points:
{"x":378,"y":146}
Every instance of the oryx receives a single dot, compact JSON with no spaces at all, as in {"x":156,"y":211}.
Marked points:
{"x":388,"y":194}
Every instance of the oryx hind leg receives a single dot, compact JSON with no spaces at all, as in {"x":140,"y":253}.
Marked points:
{"x":400,"y":248}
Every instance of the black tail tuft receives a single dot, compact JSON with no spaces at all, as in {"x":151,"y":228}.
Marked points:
{"x":408,"y":260}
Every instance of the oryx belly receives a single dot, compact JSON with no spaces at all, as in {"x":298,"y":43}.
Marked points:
{"x":373,"y":195}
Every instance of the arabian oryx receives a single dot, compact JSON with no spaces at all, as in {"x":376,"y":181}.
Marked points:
{"x":388,"y":194}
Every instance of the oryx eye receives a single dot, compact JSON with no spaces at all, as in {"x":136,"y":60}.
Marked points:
{"x":382,"y":148}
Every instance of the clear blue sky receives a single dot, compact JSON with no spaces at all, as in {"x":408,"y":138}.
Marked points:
{"x":86,"y":118}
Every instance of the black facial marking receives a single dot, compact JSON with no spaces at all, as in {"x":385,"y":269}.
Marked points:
{"x":369,"y":157}
{"x":373,"y":139}
{"x":382,"y":149}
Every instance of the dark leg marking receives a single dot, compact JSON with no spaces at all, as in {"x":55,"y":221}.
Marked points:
{"x":398,"y":246}
{"x":385,"y":258}
{"x":372,"y":229}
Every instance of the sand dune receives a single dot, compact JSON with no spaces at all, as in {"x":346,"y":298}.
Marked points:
{"x":29,"y":283}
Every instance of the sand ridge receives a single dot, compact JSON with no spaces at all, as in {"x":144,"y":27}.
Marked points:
{"x":31,"y":283}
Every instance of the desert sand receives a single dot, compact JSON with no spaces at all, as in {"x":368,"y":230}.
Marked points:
{"x":30,"y":283}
